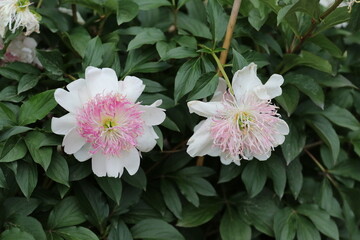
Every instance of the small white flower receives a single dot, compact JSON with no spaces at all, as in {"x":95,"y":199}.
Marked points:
{"x":22,"y":49}
{"x":15,"y":14}
{"x":239,"y":126}
{"x":105,"y":123}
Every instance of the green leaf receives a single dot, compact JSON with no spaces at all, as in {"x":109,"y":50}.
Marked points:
{"x":195,"y":216}
{"x":308,"y":86}
{"x":180,"y":53}
{"x":66,"y":213}
{"x":327,"y":200}
{"x":58,"y":170}
{"x":348,"y":168}
{"x":285,"y":224}
{"x":17,"y":151}
{"x":76,"y":233}
{"x":320,"y":219}
{"x":228,"y":172}
{"x":37,"y":107}
{"x":10,"y":73}
{"x":27,"y":82}
{"x":188,"y":191}
{"x":78,"y":36}
{"x":326,"y":132}
{"x":51,"y":61}
{"x":7,"y":117}
{"x":289,"y":99}
{"x":232,"y":227}
{"x":41,"y":155}
{"x":295,"y":177}
{"x":2,"y":179}
{"x":186,"y":78}
{"x":205,"y":86}
{"x":168,"y":123}
{"x":155,"y":229}
{"x":94,"y":53}
{"x":26,"y":177}
{"x":112,"y":187}
{"x":147,"y":36}
{"x":137,"y":180}
{"x":119,"y":230}
{"x":15,"y":234}
{"x":341,"y":117}
{"x":152,"y":86}
{"x":310,"y":7}
{"x":327,"y":45}
{"x":294,"y":142}
{"x":306,"y":59}
{"x":277,"y":172}
{"x":306,"y":230}
{"x":193,"y":26}
{"x":30,"y":225}
{"x":9,"y":94}
{"x":171,"y":198}
{"x":217,"y":19}
{"x":254,"y":177}
{"x":151,"y":4}
{"x":239,"y":62}
{"x":126,"y":11}
{"x":339,"y":15}
{"x":19,"y":206}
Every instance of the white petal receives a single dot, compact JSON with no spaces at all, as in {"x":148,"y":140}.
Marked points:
{"x":201,"y":142}
{"x":264,"y":156}
{"x":204,"y":109}
{"x":245,"y":80}
{"x":68,"y":100}
{"x":98,"y":164}
{"x":282,"y":127}
{"x":73,"y":142}
{"x":64,"y":124}
{"x":152,"y":115}
{"x":220,"y":90}
{"x":147,"y":141}
{"x":114,"y":166}
{"x":131,"y":87}
{"x":101,"y":81}
{"x":131,"y":160}
{"x":271,"y":88}
{"x":84,"y":153}
{"x":80,"y":87}
{"x":279,"y":139}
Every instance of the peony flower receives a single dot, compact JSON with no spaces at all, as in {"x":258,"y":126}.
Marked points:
{"x":239,"y":126}
{"x":105,"y":123}
{"x":15,"y":14}
{"x":22,"y":49}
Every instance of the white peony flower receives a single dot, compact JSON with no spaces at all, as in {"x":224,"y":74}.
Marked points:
{"x":239,"y":126}
{"x":15,"y":14}
{"x":105,"y":123}
{"x":22,"y":49}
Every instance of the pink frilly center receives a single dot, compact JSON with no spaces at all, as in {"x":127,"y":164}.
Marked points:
{"x":110,"y":123}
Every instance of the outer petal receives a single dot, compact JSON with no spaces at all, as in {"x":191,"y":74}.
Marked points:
{"x":68,"y":100}
{"x":152,"y":115}
{"x":98,"y":164}
{"x":201,"y":143}
{"x":264,"y":156}
{"x":101,"y":81}
{"x":73,"y":142}
{"x":84,"y":153}
{"x":245,"y":80}
{"x":271,"y":88}
{"x":220,"y":90}
{"x":131,"y":87}
{"x":64,"y":124}
{"x":226,"y":159}
{"x":204,"y":109}
{"x":282,"y":127}
{"x":131,"y":160}
{"x":79,"y":86}
{"x":147,"y":141}
{"x":114,"y":166}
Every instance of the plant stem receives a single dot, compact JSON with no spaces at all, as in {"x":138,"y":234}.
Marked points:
{"x":314,"y":23}
{"x":221,"y":68}
{"x":74,"y":11}
{"x":39,"y":4}
{"x":230,"y":30}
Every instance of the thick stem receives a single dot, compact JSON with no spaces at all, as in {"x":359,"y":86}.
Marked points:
{"x":230,"y":30}
{"x":74,"y":12}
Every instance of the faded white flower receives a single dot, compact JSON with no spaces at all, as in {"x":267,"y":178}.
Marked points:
{"x":22,"y":49}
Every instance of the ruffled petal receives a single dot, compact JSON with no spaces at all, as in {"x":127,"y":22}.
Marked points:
{"x":146,"y":141}
{"x":114,"y":166}
{"x":98,"y":164}
{"x":84,"y":153}
{"x":79,"y":86}
{"x":131,"y":160}
{"x":226,"y":159}
{"x":131,"y":87}
{"x":220,"y":90}
{"x":68,"y":100}
{"x":264,"y":156}
{"x":64,"y":124}
{"x":101,"y":81}
{"x":271,"y":88}
{"x":245,"y":81}
{"x":73,"y":142}
{"x":152,"y":115}
{"x":201,"y":143}
{"x":204,"y":109}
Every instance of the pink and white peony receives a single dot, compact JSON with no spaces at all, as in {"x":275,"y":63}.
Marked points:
{"x":15,"y":14}
{"x":22,"y":49}
{"x":239,"y":126}
{"x":105,"y":123}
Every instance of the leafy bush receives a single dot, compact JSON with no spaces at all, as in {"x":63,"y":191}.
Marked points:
{"x":308,"y":188}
